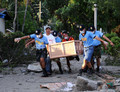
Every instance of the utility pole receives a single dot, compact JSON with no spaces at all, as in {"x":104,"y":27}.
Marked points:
{"x":95,"y":16}
{"x":39,"y":11}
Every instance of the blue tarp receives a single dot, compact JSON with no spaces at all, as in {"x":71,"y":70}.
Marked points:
{"x":2,"y":15}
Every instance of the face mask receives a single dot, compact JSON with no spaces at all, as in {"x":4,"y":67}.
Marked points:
{"x":38,"y":36}
{"x":65,"y":37}
{"x":81,"y":32}
{"x":93,"y":32}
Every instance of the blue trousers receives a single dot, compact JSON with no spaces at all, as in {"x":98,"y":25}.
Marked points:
{"x":48,"y":64}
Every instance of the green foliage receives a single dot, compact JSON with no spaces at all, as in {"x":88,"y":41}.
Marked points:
{"x":76,"y":12}
{"x":53,"y":5}
{"x":82,"y":12}
{"x":30,"y":24}
{"x":113,"y":51}
{"x":45,"y":15}
{"x":67,"y":12}
{"x":9,"y":48}
{"x":108,"y":14}
{"x":13,"y":52}
{"x":6,"y":3}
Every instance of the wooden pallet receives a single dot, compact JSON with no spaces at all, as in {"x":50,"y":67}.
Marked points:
{"x":65,"y":49}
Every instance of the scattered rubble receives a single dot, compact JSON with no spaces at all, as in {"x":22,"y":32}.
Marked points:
{"x":105,"y":84}
{"x":1,"y":76}
{"x":35,"y":67}
{"x":53,"y":86}
{"x":20,"y":77}
{"x":5,"y":61}
{"x":69,"y":87}
{"x":84,"y":84}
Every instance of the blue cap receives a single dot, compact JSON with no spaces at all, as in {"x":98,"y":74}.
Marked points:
{"x":81,"y":27}
{"x":91,"y":28}
{"x":55,"y":33}
{"x":38,"y":31}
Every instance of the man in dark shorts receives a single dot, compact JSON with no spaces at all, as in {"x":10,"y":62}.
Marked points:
{"x":97,"y":46}
{"x":41,"y":52}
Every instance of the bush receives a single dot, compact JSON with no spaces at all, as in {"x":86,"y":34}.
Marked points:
{"x":117,"y":30}
{"x":13,"y":52}
{"x":113,"y":52}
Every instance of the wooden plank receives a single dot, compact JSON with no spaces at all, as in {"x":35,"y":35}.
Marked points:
{"x":69,"y":48}
{"x":64,"y":49}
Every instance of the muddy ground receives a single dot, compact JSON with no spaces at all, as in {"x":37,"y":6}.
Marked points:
{"x":19,"y":80}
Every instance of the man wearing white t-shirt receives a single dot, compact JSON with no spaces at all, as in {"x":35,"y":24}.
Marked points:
{"x":50,"y":37}
{"x":51,"y":40}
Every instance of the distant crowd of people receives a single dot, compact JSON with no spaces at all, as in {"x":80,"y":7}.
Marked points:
{"x":90,"y":39}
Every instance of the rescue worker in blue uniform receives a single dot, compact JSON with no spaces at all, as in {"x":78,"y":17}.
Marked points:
{"x":41,"y":52}
{"x":57,"y":38}
{"x":86,"y":38}
{"x":97,"y":46}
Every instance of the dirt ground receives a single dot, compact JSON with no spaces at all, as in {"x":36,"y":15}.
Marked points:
{"x":19,"y":80}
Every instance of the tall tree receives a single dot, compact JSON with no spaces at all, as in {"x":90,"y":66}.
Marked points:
{"x":25,"y":16}
{"x":14,"y":21}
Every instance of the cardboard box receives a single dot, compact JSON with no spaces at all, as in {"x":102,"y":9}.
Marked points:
{"x":64,"y":49}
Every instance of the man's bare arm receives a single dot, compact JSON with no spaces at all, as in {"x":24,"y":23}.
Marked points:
{"x":103,"y":42}
{"x":111,"y":43}
{"x":33,"y":41}
{"x":20,"y":38}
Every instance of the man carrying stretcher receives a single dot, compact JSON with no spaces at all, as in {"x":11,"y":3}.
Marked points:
{"x":67,"y":38}
{"x":41,"y":52}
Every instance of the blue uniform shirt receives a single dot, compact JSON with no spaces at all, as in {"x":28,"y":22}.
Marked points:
{"x":87,"y":39}
{"x":95,"y":41}
{"x":57,"y":39}
{"x":40,"y":42}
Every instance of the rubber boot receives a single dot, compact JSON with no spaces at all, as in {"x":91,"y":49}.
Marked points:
{"x":44,"y":73}
{"x":77,"y":58}
{"x":59,"y":65}
{"x":80,"y":72}
{"x":97,"y":69}
{"x":61,"y":71}
{"x":86,"y":69}
{"x":90,"y":71}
